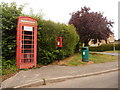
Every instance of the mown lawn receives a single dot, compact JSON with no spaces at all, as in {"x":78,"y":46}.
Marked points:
{"x":93,"y":57}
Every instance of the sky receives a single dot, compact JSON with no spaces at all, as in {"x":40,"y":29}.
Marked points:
{"x":59,"y":10}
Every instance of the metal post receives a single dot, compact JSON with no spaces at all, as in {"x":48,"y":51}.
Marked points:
{"x":59,"y":55}
{"x":114,"y":47}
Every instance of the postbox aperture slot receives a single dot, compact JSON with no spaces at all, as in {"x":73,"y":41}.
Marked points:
{"x":83,"y":48}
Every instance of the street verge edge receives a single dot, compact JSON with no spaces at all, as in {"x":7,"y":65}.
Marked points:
{"x":59,"y":79}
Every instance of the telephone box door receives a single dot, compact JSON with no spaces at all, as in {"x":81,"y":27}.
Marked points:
{"x":26,"y":52}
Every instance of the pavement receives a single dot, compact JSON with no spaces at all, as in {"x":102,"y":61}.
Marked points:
{"x":56,"y":73}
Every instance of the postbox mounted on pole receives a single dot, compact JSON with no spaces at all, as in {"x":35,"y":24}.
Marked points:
{"x":59,"y":42}
{"x":26,"y":41}
{"x":59,"y":45}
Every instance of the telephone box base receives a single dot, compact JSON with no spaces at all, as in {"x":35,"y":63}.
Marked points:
{"x":26,"y":66}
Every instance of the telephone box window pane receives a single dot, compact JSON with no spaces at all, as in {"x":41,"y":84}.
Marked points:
{"x":28,"y":37}
{"x":27,"y":60}
{"x":28,"y":32}
{"x":27,"y":46}
{"x":27,"y":42}
{"x":27,"y":55}
{"x":32,"y":60}
{"x":27,"y":51}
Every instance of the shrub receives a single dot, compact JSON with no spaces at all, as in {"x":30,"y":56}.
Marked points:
{"x":10,"y":14}
{"x":47,"y":38}
{"x":105,"y":47}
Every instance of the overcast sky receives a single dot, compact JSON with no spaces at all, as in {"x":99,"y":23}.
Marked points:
{"x":59,"y":10}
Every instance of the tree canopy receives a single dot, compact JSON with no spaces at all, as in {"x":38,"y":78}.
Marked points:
{"x":91,"y":25}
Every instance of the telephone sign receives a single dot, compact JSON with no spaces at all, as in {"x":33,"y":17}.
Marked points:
{"x":26,"y":41}
{"x":28,"y":28}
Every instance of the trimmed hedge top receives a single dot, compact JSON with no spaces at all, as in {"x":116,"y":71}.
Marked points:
{"x":105,"y":47}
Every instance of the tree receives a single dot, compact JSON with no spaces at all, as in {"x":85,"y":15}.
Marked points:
{"x":91,"y":25}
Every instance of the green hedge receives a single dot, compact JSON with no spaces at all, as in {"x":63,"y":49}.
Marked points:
{"x":105,"y":47}
{"x":47,"y":38}
{"x":10,"y":13}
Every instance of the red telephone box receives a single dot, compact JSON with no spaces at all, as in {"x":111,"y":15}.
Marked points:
{"x":26,"y":40}
{"x":59,"y":42}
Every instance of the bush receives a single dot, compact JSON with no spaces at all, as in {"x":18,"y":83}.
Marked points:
{"x":47,"y":38}
{"x":10,"y":14}
{"x":105,"y":47}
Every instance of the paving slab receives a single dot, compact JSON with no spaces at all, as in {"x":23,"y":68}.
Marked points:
{"x":55,"y":71}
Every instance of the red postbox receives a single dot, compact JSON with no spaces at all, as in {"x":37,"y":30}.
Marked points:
{"x":59,"y":42}
{"x":26,"y":40}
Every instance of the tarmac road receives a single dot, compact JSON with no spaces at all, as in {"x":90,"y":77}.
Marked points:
{"x":106,"y":80}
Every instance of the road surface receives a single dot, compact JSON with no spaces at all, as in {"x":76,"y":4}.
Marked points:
{"x":106,"y":80}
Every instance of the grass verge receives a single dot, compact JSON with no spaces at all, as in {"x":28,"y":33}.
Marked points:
{"x":93,"y":58}
{"x":11,"y":70}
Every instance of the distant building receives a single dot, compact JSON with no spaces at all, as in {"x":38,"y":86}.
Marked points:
{"x":111,"y":39}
